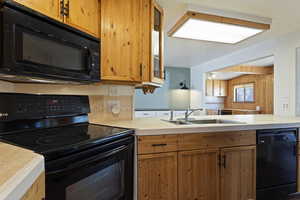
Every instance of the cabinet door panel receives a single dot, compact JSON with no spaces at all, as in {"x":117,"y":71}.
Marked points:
{"x":157,"y":176}
{"x":50,"y":8}
{"x":198,"y":175}
{"x":209,"y":88}
{"x":157,"y":16}
{"x":238,"y":173}
{"x":84,"y":15}
{"x":120,"y":40}
{"x":37,"y":190}
{"x":223,"y":88}
{"x":217,"y":88}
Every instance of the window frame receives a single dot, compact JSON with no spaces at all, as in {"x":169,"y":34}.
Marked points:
{"x":243,"y":85}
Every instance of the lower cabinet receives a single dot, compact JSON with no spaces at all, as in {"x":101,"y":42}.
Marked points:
{"x":37,"y":190}
{"x":218,"y":171}
{"x":198,"y":175}
{"x":157,"y":176}
{"x":238,"y":173}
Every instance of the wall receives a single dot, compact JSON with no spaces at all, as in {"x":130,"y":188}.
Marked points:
{"x":263,"y":93}
{"x":161,"y":98}
{"x":284,"y":50}
{"x":102,"y":97}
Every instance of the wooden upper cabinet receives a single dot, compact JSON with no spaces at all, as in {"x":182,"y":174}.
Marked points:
{"x":209,"y":87}
{"x":152,"y":42}
{"x":157,"y":63}
{"x":217,"y":88}
{"x":120,"y":40}
{"x":157,"y":176}
{"x":223,"y":88}
{"x":51,"y":8}
{"x":198,"y":174}
{"x":238,"y":173}
{"x":83,"y":15}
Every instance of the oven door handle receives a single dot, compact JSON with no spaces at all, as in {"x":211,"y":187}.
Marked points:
{"x":91,"y":160}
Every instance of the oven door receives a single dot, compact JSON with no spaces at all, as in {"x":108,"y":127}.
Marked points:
{"x":36,"y":48}
{"x":105,"y":176}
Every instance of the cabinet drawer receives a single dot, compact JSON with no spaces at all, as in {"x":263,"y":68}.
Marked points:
{"x":216,"y":140}
{"x":157,"y":144}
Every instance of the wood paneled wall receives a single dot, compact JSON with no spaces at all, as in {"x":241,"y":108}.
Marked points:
{"x":263,"y":89}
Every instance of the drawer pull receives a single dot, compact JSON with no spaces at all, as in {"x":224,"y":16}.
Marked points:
{"x":159,"y":145}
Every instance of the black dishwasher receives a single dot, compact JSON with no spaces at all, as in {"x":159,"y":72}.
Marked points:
{"x":276,"y":163}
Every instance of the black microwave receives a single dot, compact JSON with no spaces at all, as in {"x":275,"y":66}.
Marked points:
{"x":34,"y":48}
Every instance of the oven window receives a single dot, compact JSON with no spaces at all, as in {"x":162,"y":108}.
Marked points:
{"x":51,"y":53}
{"x":106,"y":184}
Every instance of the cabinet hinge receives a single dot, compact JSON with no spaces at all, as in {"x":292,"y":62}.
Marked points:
{"x":64,"y":8}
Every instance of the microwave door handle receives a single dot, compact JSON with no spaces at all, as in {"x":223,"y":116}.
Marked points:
{"x":89,"y":161}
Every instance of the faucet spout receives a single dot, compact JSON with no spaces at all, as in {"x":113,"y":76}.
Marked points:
{"x":188,"y":113}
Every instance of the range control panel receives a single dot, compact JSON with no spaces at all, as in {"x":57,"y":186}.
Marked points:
{"x":27,"y":106}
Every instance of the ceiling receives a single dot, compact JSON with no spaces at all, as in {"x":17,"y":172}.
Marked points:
{"x":189,"y":53}
{"x":262,"y":62}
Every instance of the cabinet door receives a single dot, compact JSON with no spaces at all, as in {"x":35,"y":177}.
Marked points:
{"x":209,"y":87}
{"x":157,"y":176}
{"x":198,"y":175}
{"x":223,"y":88}
{"x":84,"y":15}
{"x":217,"y":91}
{"x":238,"y":173}
{"x":157,"y":65}
{"x":51,"y":8}
{"x":37,"y":190}
{"x":120,"y":40}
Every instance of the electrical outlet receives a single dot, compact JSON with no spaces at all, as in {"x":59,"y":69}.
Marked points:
{"x":114,"y":106}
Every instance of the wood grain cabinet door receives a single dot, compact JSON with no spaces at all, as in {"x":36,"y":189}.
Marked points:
{"x":51,"y":8}
{"x":83,"y":15}
{"x":157,"y":176}
{"x":37,"y":190}
{"x":223,"y":88}
{"x":209,"y":87}
{"x":120,"y":40}
{"x":198,"y":175}
{"x":217,"y":88}
{"x":238,"y":173}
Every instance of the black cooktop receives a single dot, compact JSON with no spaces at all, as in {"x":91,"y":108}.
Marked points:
{"x":58,"y":141}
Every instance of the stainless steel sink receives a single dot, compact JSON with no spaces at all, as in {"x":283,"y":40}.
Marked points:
{"x":204,"y":121}
{"x":215,"y":121}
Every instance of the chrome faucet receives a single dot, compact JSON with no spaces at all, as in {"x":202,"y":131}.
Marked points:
{"x":172,"y":115}
{"x":188,"y":113}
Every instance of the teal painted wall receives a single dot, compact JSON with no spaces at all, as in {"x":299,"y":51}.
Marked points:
{"x":161,"y":98}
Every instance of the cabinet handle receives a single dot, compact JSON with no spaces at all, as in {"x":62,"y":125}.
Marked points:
{"x":67,"y":9}
{"x":159,"y":145}
{"x":224,"y":161}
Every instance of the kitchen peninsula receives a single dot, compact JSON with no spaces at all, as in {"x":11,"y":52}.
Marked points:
{"x":210,"y":161}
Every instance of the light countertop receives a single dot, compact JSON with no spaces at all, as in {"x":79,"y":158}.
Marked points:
{"x":156,"y":126}
{"x":19,"y":168}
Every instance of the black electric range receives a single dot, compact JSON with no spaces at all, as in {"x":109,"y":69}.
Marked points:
{"x":82,"y":160}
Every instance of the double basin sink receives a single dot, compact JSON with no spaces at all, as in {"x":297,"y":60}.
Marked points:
{"x":203,"y":121}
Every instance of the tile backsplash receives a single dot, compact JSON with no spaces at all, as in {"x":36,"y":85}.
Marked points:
{"x":108,"y":102}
